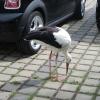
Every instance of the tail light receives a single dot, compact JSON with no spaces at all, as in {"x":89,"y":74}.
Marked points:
{"x":12,"y":4}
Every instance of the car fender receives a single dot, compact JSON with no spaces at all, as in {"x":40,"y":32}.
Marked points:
{"x":34,"y":5}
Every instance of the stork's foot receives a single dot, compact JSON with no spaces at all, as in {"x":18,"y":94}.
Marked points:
{"x":59,"y":78}
{"x":54,"y":78}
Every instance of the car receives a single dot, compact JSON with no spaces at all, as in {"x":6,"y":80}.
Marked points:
{"x":98,"y":14}
{"x":19,"y":17}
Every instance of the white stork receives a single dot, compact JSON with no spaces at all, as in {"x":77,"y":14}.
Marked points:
{"x":56,"y":39}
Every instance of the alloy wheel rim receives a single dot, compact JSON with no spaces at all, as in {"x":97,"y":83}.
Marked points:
{"x":36,"y":22}
{"x":82,"y":7}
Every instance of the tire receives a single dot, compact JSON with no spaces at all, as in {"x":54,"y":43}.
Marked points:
{"x":80,"y":9}
{"x":98,"y":16}
{"x":31,"y":47}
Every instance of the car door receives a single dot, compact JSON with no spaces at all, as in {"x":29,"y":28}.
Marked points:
{"x":65,"y":7}
{"x":52,"y":9}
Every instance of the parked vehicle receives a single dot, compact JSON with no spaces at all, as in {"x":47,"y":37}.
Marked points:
{"x":98,"y":14}
{"x":19,"y":17}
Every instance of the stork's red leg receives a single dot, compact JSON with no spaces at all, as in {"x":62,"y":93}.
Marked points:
{"x":67,"y":59}
{"x":56,"y":66}
{"x":50,"y":63}
{"x":67,"y":65}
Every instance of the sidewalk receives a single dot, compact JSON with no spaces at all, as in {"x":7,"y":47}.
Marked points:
{"x":23,"y":78}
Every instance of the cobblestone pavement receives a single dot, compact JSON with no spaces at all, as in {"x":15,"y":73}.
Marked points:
{"x":24,"y":78}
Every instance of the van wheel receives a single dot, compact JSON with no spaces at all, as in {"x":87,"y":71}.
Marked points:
{"x":35,"y":20}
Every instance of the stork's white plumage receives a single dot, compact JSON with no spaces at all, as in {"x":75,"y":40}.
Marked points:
{"x":56,"y":39}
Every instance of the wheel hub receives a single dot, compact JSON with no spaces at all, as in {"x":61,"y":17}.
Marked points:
{"x":36,"y":22}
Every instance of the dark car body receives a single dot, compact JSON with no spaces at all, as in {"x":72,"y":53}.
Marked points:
{"x":98,"y":14}
{"x":14,"y":21}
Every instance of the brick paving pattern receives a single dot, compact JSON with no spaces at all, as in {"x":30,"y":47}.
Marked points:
{"x":24,"y":77}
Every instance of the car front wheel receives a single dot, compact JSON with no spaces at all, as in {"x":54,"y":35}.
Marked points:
{"x":35,"y":20}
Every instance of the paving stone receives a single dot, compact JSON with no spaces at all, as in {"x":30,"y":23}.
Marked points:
{"x":74,"y":55}
{"x":45,"y":69}
{"x":74,"y":80}
{"x":82,"y":67}
{"x":84,"y":44}
{"x":11,"y":58}
{"x":94,"y":44}
{"x":4,"y":77}
{"x":98,"y":98}
{"x":87,"y":40}
{"x":92,"y":82}
{"x":97,"y":63}
{"x":89,"y":57}
{"x":95,"y":69}
{"x":83,"y":97}
{"x":52,"y":63}
{"x":2,"y":68}
{"x":18,"y":79}
{"x":78,"y":73}
{"x":64,"y":95}
{"x":94,"y":75}
{"x":88,"y":89}
{"x":4,"y":95}
{"x":35,"y":82}
{"x":46,"y":52}
{"x":84,"y":47}
{"x":10,"y":71}
{"x":38,"y":62}
{"x":32,"y":67}
{"x":86,"y":62}
{"x":20,"y":97}
{"x":46,"y":92}
{"x":98,"y":92}
{"x":24,"y":60}
{"x":17,"y":65}
{"x":98,"y":58}
{"x":69,"y":87}
{"x":27,"y":90}
{"x":90,"y":52}
{"x":42,"y":75}
{"x":71,"y":66}
{"x":79,"y":51}
{"x":74,"y":60}
{"x":4,"y":63}
{"x":43,"y":57}
{"x":63,"y":65}
{"x":94,"y":48}
{"x":40,"y":98}
{"x":26,"y":73}
{"x":53,"y":85}
{"x":2,"y":83}
{"x":10,"y":87}
{"x":62,"y":71}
